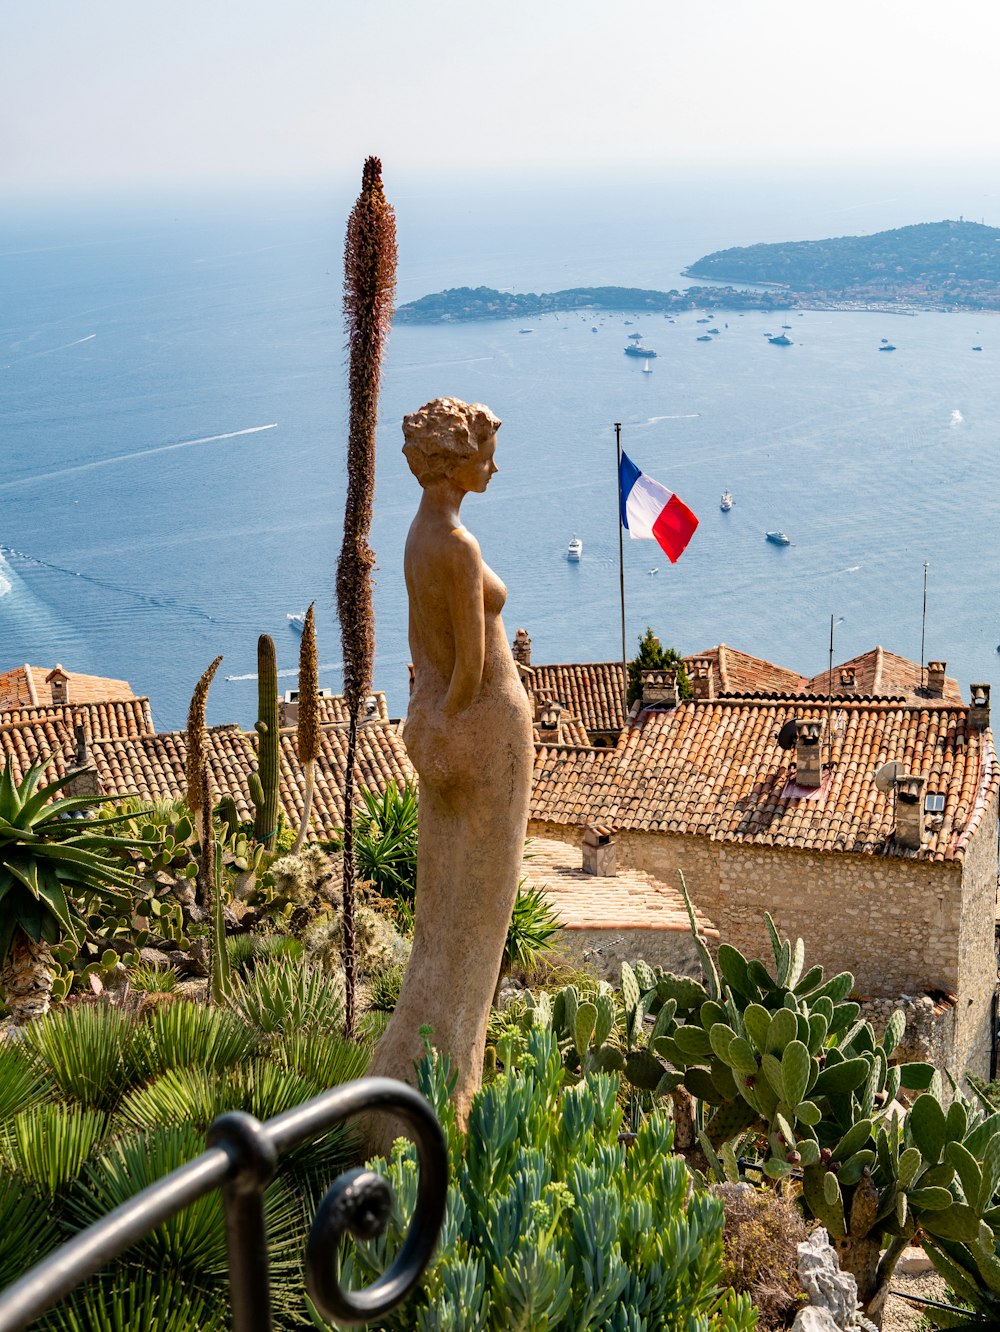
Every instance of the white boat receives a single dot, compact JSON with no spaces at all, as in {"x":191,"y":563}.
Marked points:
{"x":777,"y":538}
{"x":297,"y":621}
{"x":726,"y":502}
{"x":574,"y":550}
{"x":647,"y":369}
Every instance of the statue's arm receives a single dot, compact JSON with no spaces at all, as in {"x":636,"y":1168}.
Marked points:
{"x":468,"y":619}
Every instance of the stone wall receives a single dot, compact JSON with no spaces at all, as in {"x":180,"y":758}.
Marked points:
{"x":902,"y":926}
{"x":977,"y":964}
{"x":891,"y":921}
{"x":604,"y":951}
{"x":930,"y":1028}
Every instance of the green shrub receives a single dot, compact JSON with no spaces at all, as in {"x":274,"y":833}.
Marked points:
{"x":760,"y":1258}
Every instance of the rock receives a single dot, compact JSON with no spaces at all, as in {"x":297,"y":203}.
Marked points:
{"x":156,"y":957}
{"x":913,"y":1261}
{"x":828,"y":1288}
{"x":814,"y":1319}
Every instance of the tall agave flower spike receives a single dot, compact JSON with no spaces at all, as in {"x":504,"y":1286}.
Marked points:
{"x":369,"y":288}
{"x":196,"y":737}
{"x":307,"y":729}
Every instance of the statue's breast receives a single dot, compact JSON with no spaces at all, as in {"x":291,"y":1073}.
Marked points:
{"x":494,"y":592}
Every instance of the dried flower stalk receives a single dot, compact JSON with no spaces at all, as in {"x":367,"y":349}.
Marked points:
{"x":369,"y":288}
{"x":197,"y":738}
{"x":307,"y":727}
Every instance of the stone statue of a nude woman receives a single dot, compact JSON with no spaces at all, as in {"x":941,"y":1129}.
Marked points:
{"x":468,"y":734}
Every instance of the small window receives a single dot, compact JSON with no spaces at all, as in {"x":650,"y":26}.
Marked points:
{"x":934,"y":803}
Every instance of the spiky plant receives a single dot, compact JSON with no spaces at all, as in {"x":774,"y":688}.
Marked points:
{"x":55,"y":862}
{"x":369,"y":287}
{"x":307,"y":731}
{"x":196,"y":738}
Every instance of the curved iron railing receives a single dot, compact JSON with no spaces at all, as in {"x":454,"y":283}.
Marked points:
{"x":242,"y":1159}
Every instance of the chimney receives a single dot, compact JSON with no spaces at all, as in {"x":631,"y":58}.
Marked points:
{"x":703,"y":678}
{"x":979,"y":708}
{"x":84,"y":780}
{"x":935,"y":678}
{"x":848,"y":682}
{"x":600,"y":853}
{"x":58,"y":681}
{"x":808,"y":753}
{"x":547,"y":720}
{"x":288,"y":707}
{"x":909,"y":812}
{"x":521,"y":648}
{"x":659,"y":688}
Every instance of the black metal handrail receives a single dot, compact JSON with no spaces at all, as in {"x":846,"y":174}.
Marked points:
{"x":242,"y":1159}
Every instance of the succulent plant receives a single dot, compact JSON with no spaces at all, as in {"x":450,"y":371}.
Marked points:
{"x":552,"y":1223}
{"x":263,"y":783}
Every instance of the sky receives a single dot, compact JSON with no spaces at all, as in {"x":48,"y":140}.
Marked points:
{"x":134,"y":94}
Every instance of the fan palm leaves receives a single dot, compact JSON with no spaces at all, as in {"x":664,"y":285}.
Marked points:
{"x":53,"y":860}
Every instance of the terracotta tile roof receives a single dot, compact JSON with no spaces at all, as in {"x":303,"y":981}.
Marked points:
{"x":31,"y":732}
{"x":881,"y":673}
{"x":380,"y":757}
{"x":110,"y":720}
{"x":575,"y":786}
{"x":332,"y":708}
{"x":715,"y":769}
{"x":738,"y":673}
{"x":629,"y":900}
{"x":153,"y":767}
{"x":591,"y":691}
{"x":26,"y":686}
{"x":571,"y":731}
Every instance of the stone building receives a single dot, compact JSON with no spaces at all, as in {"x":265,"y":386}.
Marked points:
{"x":767,"y":800}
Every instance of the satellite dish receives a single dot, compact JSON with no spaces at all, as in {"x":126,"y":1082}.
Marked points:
{"x":787,"y":734}
{"x":885,"y":778}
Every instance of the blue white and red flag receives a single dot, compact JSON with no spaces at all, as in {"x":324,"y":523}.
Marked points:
{"x":651,"y":511}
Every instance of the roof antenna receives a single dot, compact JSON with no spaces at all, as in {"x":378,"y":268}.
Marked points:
{"x":829,"y":696}
{"x":923,"y":627}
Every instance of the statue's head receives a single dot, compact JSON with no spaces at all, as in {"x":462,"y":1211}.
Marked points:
{"x":445,"y":433}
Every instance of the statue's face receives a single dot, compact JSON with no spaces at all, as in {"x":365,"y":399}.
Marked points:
{"x":473,"y":474}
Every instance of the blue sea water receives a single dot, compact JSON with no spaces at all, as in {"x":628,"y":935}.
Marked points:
{"x":173,"y":417}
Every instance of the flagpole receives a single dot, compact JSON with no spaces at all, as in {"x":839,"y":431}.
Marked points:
{"x":621,"y":563}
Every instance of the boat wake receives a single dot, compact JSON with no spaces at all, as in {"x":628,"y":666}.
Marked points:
{"x":283,"y":675}
{"x":130,"y":457}
{"x":106,"y":584}
{"x":677,"y":416}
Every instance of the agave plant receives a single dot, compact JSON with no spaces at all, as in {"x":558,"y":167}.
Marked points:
{"x":54,"y":862}
{"x":385,"y":841}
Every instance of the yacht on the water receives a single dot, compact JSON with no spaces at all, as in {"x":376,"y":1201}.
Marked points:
{"x":574,"y":550}
{"x":726,"y":503}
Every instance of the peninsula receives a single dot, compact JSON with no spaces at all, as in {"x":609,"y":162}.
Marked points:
{"x":930,"y":266}
{"x":953,"y":265}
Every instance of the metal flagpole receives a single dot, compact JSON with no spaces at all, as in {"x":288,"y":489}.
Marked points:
{"x":621,"y":563}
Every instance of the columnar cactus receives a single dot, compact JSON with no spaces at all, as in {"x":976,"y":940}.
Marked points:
{"x":263,"y":783}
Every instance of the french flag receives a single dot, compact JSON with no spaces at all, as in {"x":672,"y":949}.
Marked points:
{"x":650,"y":510}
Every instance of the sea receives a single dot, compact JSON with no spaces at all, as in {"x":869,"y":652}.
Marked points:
{"x":173,"y":414}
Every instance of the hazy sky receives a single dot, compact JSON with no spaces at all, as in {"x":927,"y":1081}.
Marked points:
{"x":140,"y":91}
